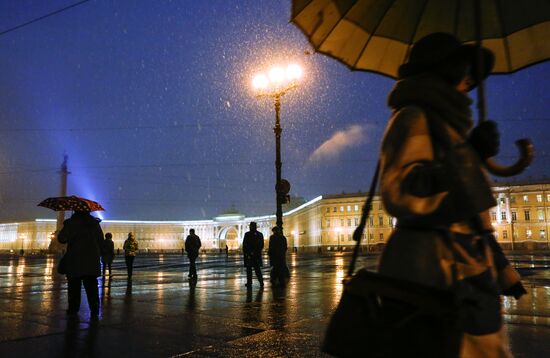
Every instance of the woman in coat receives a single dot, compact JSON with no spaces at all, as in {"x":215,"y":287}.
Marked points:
{"x":433,"y":181}
{"x":84,"y":239}
{"x":130,"y":250}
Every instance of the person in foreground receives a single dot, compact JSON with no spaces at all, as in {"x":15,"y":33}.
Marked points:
{"x":433,"y":181}
{"x":84,"y":239}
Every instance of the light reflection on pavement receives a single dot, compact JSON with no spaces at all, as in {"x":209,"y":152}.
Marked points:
{"x":161,"y":313}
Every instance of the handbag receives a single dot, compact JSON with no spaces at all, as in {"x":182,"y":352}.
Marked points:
{"x":380,"y":316}
{"x":62,"y":265}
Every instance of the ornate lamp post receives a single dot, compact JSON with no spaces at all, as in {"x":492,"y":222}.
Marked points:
{"x":278,"y":82}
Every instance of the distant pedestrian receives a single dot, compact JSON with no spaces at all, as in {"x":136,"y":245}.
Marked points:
{"x":84,"y":239}
{"x":253,"y":244}
{"x":192,"y":246}
{"x":226,"y":251}
{"x":130,"y":250}
{"x":108,"y":252}
{"x":277,"y":258}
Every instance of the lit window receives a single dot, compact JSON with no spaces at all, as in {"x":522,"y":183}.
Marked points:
{"x":371,"y":236}
{"x":349,"y":207}
{"x":529,"y":233}
{"x":328,"y":209}
{"x":334,"y":209}
{"x":390,"y":221}
{"x":539,"y":198}
{"x":371,"y":220}
{"x":542,"y":234}
{"x":328,"y":223}
{"x":381,"y":236}
{"x":493,"y":215}
{"x":540,"y":215}
{"x":503,"y":215}
{"x":341,"y":222}
{"x":356,"y":221}
{"x":527,"y":215}
{"x":380,"y":220}
{"x":349,"y":222}
{"x":356,"y":207}
{"x":504,"y":234}
{"x":525,"y":198}
{"x":349,"y":237}
{"x":513,"y":199}
{"x":514,"y":216}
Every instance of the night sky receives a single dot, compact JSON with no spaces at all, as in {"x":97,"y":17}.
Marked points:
{"x":152,"y":102}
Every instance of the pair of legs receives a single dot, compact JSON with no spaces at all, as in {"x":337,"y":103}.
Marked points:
{"x":259,"y":275}
{"x":279,"y":274}
{"x":192,"y":267}
{"x":106,"y":265}
{"x":92,"y":293}
{"x":129,"y":265}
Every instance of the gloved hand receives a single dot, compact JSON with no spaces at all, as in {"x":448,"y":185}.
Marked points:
{"x":516,"y":290}
{"x":485,"y":139}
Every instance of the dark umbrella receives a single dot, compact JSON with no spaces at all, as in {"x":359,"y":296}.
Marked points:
{"x":377,"y":35}
{"x":73,"y":203}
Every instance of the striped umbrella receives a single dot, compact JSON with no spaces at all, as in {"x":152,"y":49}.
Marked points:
{"x":71,"y":203}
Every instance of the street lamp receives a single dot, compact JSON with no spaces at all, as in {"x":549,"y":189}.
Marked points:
{"x":276,"y":83}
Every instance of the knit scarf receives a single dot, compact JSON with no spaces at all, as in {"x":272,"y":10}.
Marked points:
{"x":440,"y":100}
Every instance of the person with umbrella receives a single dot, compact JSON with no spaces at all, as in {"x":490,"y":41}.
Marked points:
{"x":130,"y":250}
{"x":433,"y":181}
{"x":84,"y":239}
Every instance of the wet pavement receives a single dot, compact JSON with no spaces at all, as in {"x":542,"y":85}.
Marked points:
{"x":161,"y":314}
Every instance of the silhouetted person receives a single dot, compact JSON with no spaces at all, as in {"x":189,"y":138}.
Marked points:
{"x":253,"y":244}
{"x":84,"y":239}
{"x":192,"y":246}
{"x":226,"y":251}
{"x":277,"y":257}
{"x":130,"y":250}
{"x":433,"y":181}
{"x":108,"y":252}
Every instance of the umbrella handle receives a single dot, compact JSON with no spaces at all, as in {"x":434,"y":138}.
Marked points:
{"x":526,"y":151}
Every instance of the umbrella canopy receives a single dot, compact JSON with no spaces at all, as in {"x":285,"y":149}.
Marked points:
{"x":376,"y":35}
{"x":73,"y":203}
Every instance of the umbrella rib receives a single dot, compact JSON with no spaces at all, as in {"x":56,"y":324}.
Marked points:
{"x":457,"y":11}
{"x":336,"y":24}
{"x":373,"y":32}
{"x":415,"y":28}
{"x":504,"y":36}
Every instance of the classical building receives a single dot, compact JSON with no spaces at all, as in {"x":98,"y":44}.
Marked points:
{"x":326,"y":222}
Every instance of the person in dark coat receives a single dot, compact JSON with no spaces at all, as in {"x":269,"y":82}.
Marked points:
{"x":84,"y":239}
{"x":192,"y":246}
{"x":108,"y":252}
{"x":277,"y":258}
{"x":253,"y":244}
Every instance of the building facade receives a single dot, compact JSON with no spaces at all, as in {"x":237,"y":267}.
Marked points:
{"x":327,"y":223}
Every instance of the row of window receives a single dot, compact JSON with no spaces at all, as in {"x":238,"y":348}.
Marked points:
{"x":528,"y":234}
{"x":343,"y":208}
{"x":355,"y":221}
{"x":526,"y":215}
{"x":343,"y":238}
{"x":525,"y":198}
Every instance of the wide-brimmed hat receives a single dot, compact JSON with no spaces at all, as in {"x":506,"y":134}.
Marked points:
{"x":439,"y":47}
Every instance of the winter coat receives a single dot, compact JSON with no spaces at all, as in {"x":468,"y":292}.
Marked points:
{"x":108,"y":252}
{"x":277,"y":250}
{"x":253,"y":244}
{"x":130,"y":247}
{"x":192,"y":246}
{"x":84,"y":239}
{"x":433,"y":182}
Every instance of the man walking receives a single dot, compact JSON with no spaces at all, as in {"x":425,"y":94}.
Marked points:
{"x":253,"y":244}
{"x":192,"y":246}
